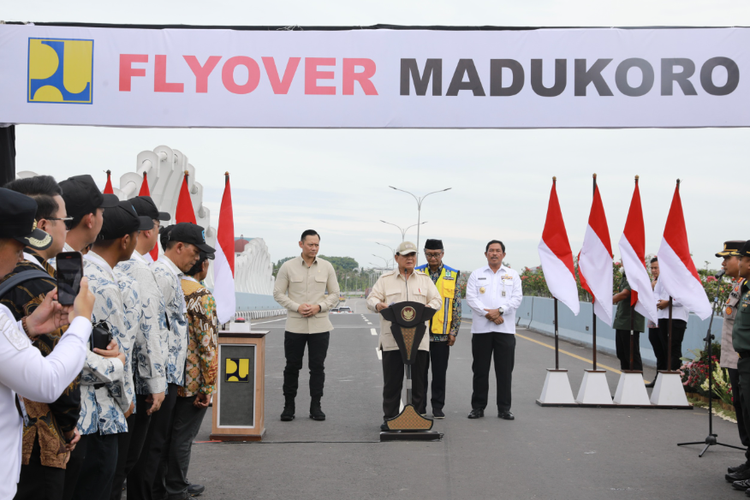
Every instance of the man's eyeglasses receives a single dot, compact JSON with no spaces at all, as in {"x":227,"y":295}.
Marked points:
{"x":435,"y":255}
{"x":59,"y":218}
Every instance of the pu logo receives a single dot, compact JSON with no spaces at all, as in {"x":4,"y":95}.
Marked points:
{"x":237,"y":370}
{"x":61,"y":71}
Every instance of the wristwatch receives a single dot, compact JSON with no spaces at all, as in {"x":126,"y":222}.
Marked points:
{"x":500,"y":310}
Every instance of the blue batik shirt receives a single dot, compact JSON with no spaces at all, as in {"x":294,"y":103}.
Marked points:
{"x":169,"y":278}
{"x":103,"y":408}
{"x":152,"y":336}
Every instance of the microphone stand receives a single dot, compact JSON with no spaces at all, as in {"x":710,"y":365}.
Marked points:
{"x":711,"y":438}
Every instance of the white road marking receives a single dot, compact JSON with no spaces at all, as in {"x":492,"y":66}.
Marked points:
{"x":373,"y":331}
{"x":379,"y":353}
{"x":401,"y":406}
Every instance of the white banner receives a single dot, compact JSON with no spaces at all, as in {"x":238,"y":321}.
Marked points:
{"x":544,"y":78}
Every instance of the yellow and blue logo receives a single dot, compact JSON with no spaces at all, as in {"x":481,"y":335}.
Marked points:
{"x":237,"y":370}
{"x":61,"y":71}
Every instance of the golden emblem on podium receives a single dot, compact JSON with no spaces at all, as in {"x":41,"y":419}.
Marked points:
{"x":408,"y":313}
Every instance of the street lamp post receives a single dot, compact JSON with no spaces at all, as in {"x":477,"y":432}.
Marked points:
{"x":419,"y":201}
{"x":385,"y":265}
{"x":403,"y":231}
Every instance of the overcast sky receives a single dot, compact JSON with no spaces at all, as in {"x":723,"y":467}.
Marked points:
{"x":336,"y":181}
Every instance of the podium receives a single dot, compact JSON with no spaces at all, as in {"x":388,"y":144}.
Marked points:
{"x":238,"y":409}
{"x":408,"y":329}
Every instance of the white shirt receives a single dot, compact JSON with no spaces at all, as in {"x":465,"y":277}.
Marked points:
{"x":488,"y":290}
{"x":678,"y":310}
{"x":25,"y":371}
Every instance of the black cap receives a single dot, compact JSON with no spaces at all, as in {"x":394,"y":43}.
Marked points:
{"x":122,"y":219}
{"x":433,"y":245}
{"x":18,"y":213}
{"x":745,"y":250}
{"x":187,"y":232}
{"x":144,"y":205}
{"x":82,"y":196}
{"x":731,"y":248}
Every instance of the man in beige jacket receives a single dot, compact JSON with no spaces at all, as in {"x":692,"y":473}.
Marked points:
{"x":301,"y":286}
{"x":398,"y":286}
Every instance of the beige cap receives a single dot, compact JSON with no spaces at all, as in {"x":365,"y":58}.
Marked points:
{"x":406,"y":247}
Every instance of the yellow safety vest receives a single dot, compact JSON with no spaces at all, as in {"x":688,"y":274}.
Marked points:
{"x":446,"y":285}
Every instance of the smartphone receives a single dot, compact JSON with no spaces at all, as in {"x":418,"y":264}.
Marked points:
{"x":69,"y":274}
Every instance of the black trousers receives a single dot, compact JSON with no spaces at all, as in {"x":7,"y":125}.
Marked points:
{"x":95,"y":481}
{"x":743,"y":372}
{"x":39,"y":482}
{"x":622,"y":345}
{"x":186,"y":424}
{"x":734,"y":379}
{"x":678,"y":333}
{"x":485,"y":347}
{"x":131,"y":444}
{"x":74,"y":466}
{"x":659,"y":352}
{"x":294,"y":350}
{"x":439,"y":354}
{"x":146,"y":471}
{"x":393,"y":381}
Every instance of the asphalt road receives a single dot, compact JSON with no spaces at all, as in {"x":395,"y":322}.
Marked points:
{"x":546,"y":453}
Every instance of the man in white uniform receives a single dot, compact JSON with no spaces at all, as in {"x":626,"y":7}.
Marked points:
{"x":494,"y":294}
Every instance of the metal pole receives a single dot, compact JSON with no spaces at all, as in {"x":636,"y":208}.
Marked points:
{"x":594,"y":329}
{"x":669,"y":336}
{"x":557,"y":345}
{"x":632,"y":329}
{"x":419,"y":201}
{"x":408,"y":384}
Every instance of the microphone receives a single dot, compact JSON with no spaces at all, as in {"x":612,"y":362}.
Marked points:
{"x":720,"y":274}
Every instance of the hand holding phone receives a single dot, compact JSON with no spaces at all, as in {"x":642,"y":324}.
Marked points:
{"x":69,"y":274}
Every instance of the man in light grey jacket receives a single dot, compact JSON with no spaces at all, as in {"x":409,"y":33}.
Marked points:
{"x":301,"y":286}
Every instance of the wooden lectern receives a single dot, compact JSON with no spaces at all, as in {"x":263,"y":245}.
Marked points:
{"x":238,"y":409}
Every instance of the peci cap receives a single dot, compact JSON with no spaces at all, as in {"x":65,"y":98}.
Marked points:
{"x":208,"y":255}
{"x":745,"y":250}
{"x":82,"y":196}
{"x":405,"y":248}
{"x":122,"y":219}
{"x":144,"y":205}
{"x":187,"y":232}
{"x":433,"y":245}
{"x":731,"y":248}
{"x":18,"y":213}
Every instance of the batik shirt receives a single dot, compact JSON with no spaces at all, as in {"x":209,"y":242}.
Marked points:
{"x":46,"y":423}
{"x":103,"y":407}
{"x":133,"y":310}
{"x":152,"y":335}
{"x":168,"y":277}
{"x":202,"y":363}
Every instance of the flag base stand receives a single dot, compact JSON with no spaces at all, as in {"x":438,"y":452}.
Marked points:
{"x":668,"y":391}
{"x":409,"y":426}
{"x":556,"y":390}
{"x":631,"y":390}
{"x":594,"y":389}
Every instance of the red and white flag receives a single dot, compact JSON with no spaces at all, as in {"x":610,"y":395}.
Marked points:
{"x":556,"y":256}
{"x":224,"y":262}
{"x":145,"y":191}
{"x":633,"y":253}
{"x":677,"y":273}
{"x":108,"y":186}
{"x":184,"y":211}
{"x":595,"y":260}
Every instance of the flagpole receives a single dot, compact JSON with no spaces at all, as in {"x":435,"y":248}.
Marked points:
{"x":669,"y":337}
{"x":632,"y":313}
{"x":593,"y":299}
{"x":557,"y":347}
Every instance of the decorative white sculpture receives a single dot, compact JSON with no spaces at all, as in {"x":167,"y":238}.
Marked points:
{"x":165,"y":168}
